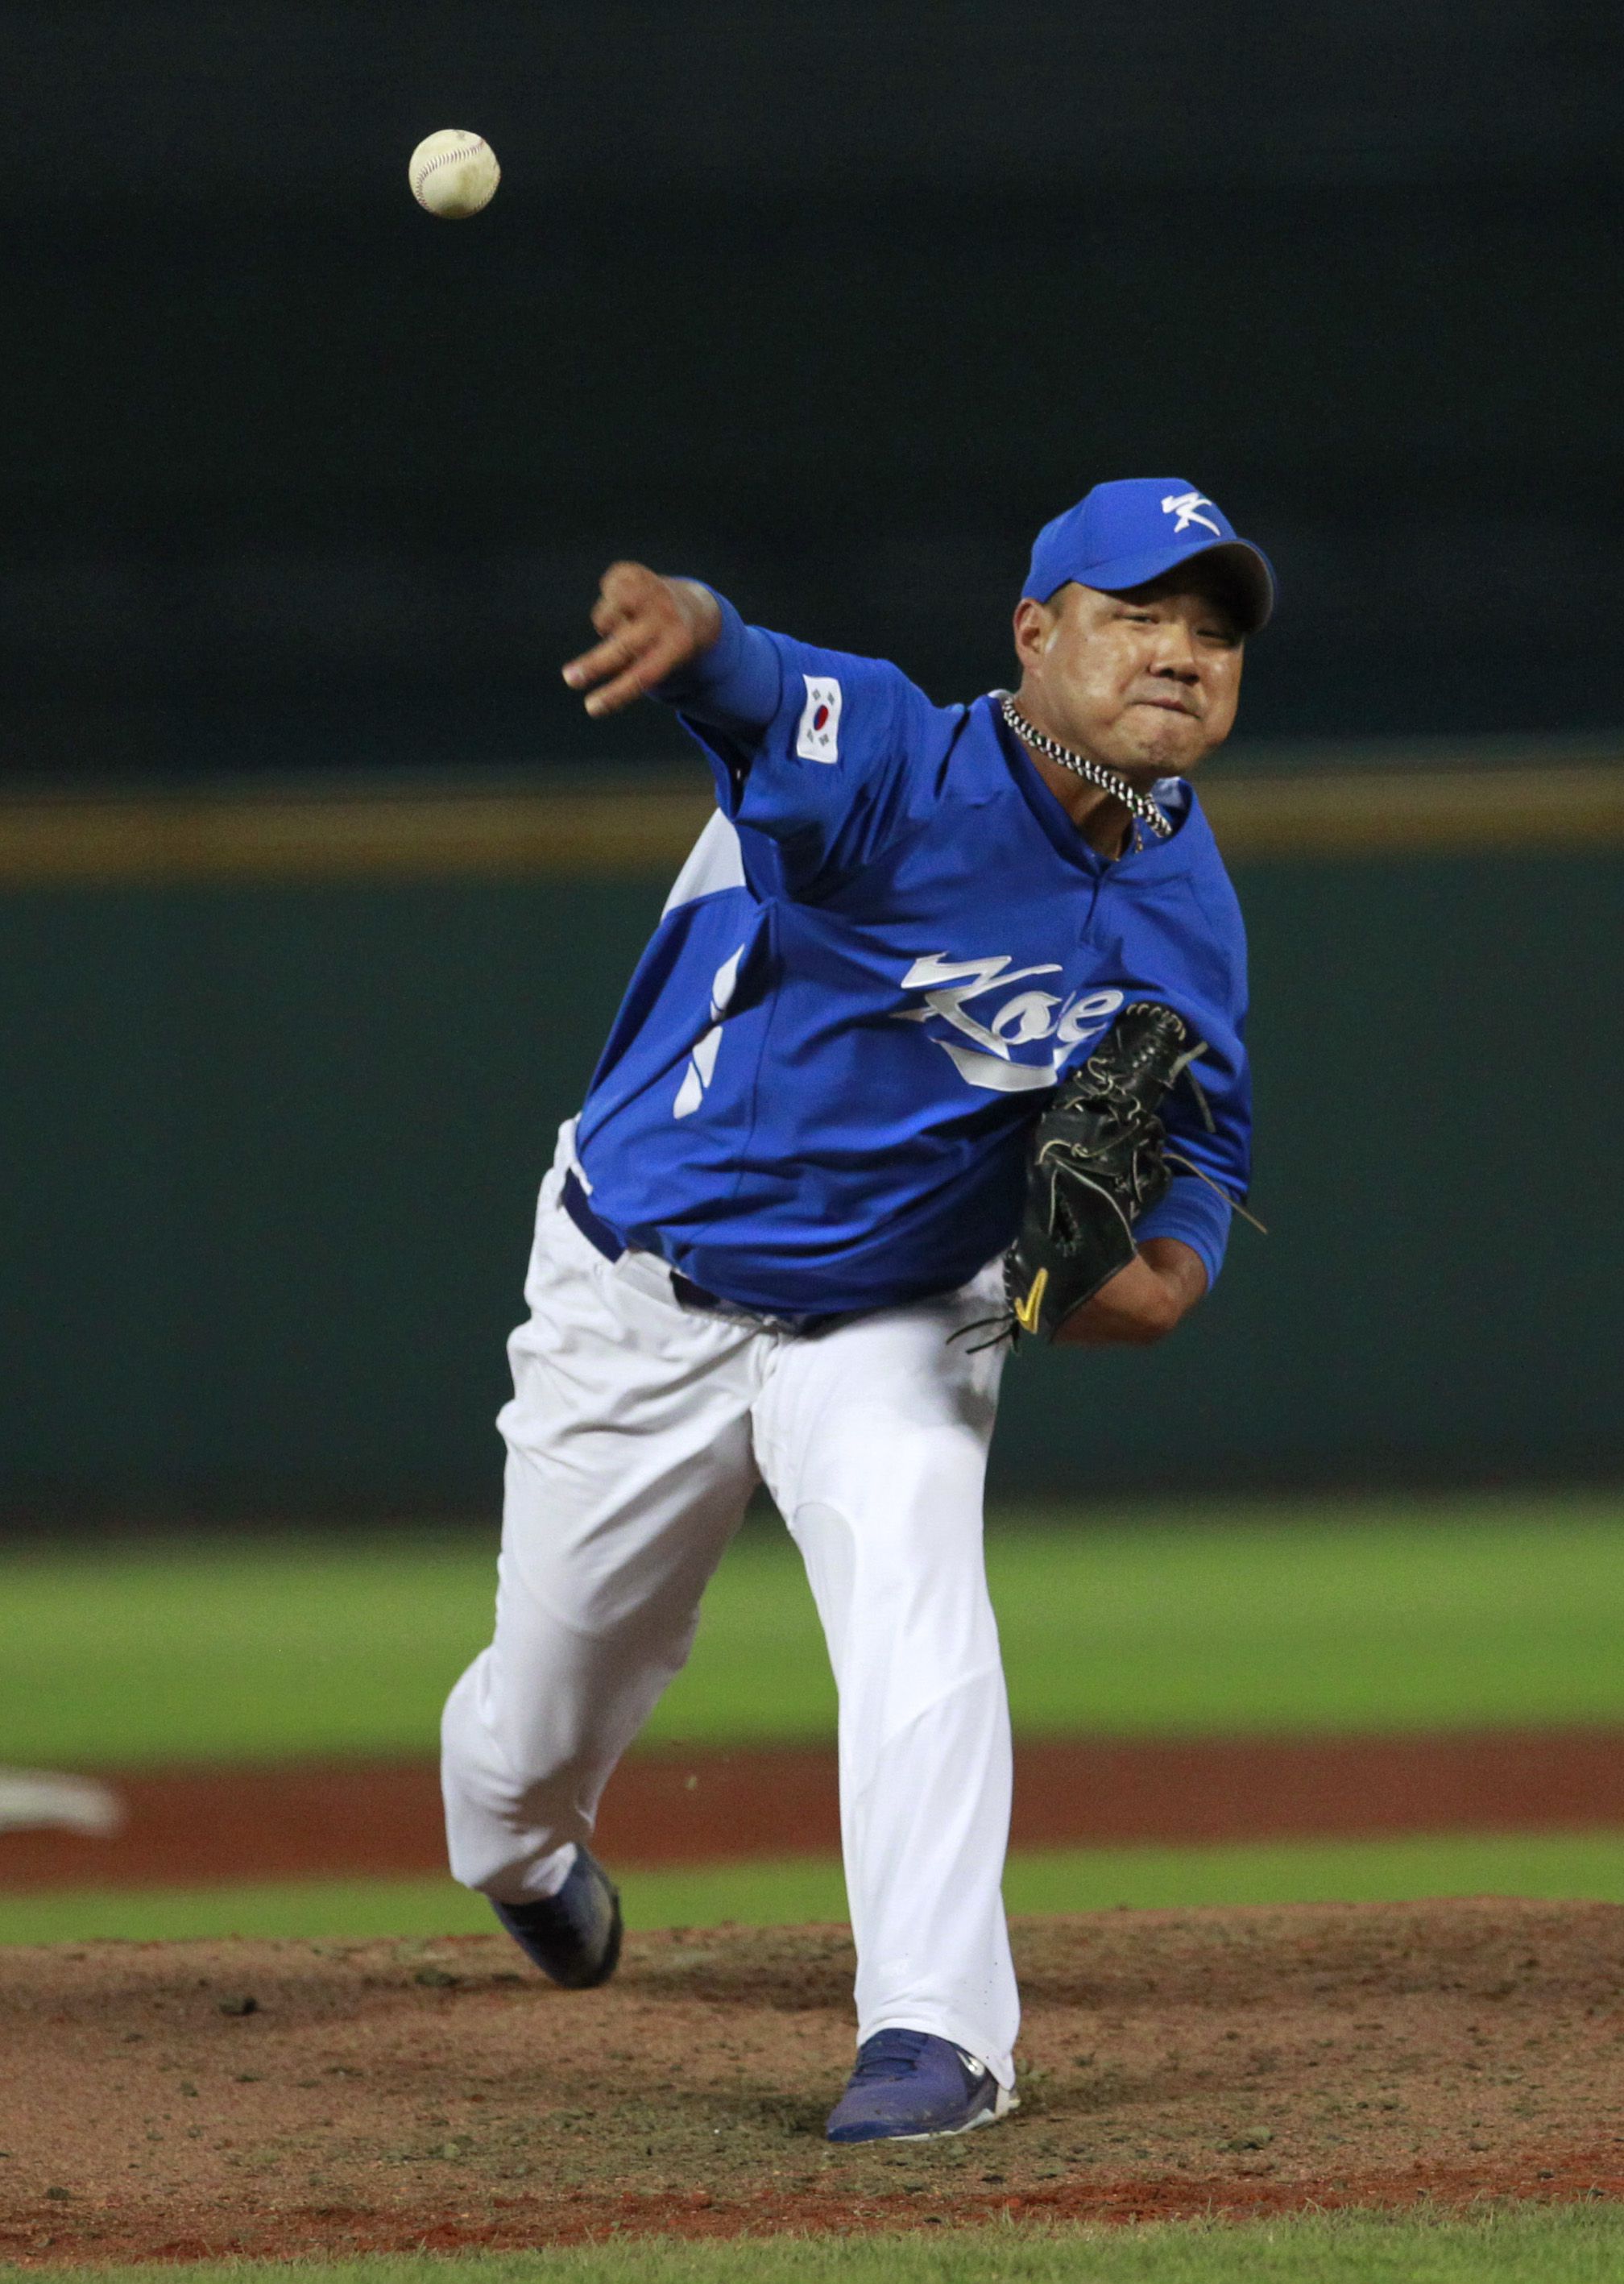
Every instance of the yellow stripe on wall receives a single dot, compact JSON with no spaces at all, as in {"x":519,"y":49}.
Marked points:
{"x":232,"y":837}
{"x":1432,"y":813}
{"x":637,"y":827}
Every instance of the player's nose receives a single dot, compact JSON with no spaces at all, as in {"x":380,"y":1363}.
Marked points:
{"x":1175,"y":649}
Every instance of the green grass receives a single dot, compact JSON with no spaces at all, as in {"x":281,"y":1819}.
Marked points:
{"x":1564,"y":1865}
{"x":1513,"y":2246}
{"x":1293,"y":1617}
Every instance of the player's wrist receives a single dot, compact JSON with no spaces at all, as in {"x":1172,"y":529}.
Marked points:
{"x":701,"y":610}
{"x":1134,"y":1309}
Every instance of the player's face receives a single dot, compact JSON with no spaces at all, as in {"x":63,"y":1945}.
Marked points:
{"x":1144,"y":681}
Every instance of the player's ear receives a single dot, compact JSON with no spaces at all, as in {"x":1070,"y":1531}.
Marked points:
{"x":1032,"y":625}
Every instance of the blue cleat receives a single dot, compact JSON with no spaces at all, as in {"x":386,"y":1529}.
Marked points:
{"x":909,"y":2085}
{"x":573,"y":1936}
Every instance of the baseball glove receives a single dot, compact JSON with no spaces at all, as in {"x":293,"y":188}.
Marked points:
{"x":1096,"y":1166}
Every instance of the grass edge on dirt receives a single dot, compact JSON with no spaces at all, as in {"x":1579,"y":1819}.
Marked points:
{"x":1505,"y":2244}
{"x":1568,"y":1867}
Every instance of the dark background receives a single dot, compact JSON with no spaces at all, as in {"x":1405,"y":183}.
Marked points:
{"x":831,"y":304}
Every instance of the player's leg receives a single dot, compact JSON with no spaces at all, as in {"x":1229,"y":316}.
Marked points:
{"x":873,"y":1439}
{"x":628,"y":1468}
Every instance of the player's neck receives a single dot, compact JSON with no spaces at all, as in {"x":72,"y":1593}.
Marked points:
{"x":1104,"y":823}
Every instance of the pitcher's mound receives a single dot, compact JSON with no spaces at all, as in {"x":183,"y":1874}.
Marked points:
{"x":173,"y":2099}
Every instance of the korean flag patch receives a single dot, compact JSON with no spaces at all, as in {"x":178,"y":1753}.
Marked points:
{"x":818,"y":738}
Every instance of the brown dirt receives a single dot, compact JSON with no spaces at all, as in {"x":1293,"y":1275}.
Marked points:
{"x":386,"y":2096}
{"x":347,"y":1817}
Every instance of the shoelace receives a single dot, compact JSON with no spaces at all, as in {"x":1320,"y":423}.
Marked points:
{"x":893,"y":2054}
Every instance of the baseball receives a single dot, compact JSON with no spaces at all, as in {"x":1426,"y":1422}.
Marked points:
{"x":454,"y":174}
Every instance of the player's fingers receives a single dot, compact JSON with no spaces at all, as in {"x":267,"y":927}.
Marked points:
{"x":623,"y":602}
{"x":616,"y":651}
{"x":606,"y":616}
{"x":626,"y":583}
{"x":622,"y":691}
{"x":646,"y":671}
{"x":627,"y":591}
{"x":650,"y":622}
{"x":615,"y":648}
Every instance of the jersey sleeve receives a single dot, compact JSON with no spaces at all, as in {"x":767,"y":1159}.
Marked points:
{"x":1194,"y":1211}
{"x":1197,"y":1216}
{"x":734,"y":685}
{"x":817,"y":750}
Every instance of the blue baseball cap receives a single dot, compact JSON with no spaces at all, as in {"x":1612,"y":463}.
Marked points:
{"x":1124,"y":534}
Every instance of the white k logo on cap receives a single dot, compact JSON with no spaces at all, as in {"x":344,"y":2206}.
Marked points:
{"x":1183,"y":504}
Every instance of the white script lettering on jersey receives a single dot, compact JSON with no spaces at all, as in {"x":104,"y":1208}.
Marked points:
{"x":702,"y":1062}
{"x":1183,"y":505}
{"x":1023,"y":1019}
{"x":818,"y":738}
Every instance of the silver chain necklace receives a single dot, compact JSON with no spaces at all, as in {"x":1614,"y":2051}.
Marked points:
{"x":1137,"y":804}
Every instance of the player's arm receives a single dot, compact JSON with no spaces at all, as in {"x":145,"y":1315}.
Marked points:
{"x":818,"y":753}
{"x":1153,"y":1295}
{"x":1183,"y":1237}
{"x":1142,"y":1304}
{"x":1134,"y":1176}
{"x":1181,"y":1240}
{"x":673,"y":637}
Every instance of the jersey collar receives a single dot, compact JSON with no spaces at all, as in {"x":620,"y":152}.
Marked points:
{"x":1156,"y":860}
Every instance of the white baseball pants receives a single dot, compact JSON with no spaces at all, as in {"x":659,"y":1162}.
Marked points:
{"x":637,"y":1430}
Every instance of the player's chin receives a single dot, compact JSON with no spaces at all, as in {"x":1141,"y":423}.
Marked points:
{"x":1166,"y":741}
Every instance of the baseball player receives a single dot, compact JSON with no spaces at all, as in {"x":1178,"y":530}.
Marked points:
{"x":770,"y":1248}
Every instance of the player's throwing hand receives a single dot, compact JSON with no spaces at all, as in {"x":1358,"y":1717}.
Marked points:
{"x":650,"y":627}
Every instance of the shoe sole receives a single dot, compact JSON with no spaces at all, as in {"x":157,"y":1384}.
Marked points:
{"x":1006,"y":2102}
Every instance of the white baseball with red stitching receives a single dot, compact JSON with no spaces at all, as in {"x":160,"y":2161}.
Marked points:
{"x":454,"y":174}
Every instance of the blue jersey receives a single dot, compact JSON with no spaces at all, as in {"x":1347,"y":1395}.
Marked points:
{"x":885,"y":949}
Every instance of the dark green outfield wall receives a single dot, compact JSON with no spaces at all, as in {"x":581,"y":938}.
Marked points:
{"x":1439,"y":1095}
{"x":271,"y":1156}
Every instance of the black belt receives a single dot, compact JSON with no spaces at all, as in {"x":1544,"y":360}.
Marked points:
{"x":612,"y":1244}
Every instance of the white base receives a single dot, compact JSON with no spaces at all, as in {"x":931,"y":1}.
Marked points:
{"x":36,"y":1800}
